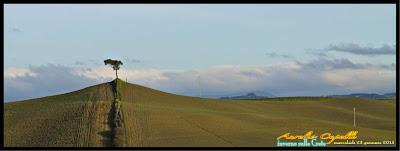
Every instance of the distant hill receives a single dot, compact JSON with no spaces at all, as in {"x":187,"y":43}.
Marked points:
{"x":153,"y":118}
{"x":249,"y":96}
{"x":366,"y":96}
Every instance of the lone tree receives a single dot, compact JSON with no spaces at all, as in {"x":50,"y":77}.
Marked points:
{"x":115,"y":65}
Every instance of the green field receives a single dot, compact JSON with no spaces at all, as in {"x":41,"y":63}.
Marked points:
{"x":74,"y":119}
{"x":154,"y":118}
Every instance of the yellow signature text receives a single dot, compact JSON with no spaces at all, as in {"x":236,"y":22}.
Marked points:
{"x":325,"y":136}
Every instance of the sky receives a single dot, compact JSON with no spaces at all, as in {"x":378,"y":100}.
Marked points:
{"x":201,"y":50}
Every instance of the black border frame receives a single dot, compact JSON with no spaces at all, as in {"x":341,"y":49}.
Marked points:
{"x":222,"y":148}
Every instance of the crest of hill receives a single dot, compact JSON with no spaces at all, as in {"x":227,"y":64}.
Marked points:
{"x":155,"y":118}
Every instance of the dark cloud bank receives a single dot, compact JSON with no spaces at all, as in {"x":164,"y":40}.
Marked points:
{"x":362,"y":50}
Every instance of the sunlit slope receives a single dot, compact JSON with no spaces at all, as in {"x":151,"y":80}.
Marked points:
{"x":74,"y":119}
{"x":155,"y":118}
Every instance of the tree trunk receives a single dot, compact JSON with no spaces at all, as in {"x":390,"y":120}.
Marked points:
{"x":116,"y":84}
{"x":116,"y":90}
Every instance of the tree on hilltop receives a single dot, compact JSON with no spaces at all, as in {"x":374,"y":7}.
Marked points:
{"x":115,"y":64}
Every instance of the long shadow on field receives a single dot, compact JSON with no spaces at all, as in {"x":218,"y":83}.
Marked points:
{"x":107,"y":136}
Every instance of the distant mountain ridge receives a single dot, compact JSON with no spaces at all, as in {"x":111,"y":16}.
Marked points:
{"x":366,"y":95}
{"x":251,"y":95}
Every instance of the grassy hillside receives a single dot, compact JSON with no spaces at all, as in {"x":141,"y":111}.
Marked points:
{"x":154,"y":118}
{"x":74,"y":119}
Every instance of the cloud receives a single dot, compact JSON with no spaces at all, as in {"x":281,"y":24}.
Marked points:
{"x":132,"y":74}
{"x":79,"y":63}
{"x":362,"y":50}
{"x":17,"y":72}
{"x":361,"y":79}
{"x":333,"y":63}
{"x":130,"y":60}
{"x":282,"y":79}
{"x":39,"y":81}
{"x":276,"y":55}
{"x":14,"y":30}
{"x":285,"y":79}
{"x":317,"y":53}
{"x":317,"y":77}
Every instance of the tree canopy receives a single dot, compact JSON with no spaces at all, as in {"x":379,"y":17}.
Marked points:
{"x":115,"y":64}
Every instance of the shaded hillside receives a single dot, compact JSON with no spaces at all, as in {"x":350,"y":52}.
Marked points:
{"x":78,"y":118}
{"x":153,"y":118}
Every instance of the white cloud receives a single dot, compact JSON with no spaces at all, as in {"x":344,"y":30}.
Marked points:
{"x":361,"y":79}
{"x":319,"y":77}
{"x":39,"y":81}
{"x":17,"y":72}
{"x":131,"y":74}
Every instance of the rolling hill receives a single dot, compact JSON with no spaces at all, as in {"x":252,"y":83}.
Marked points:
{"x":152,"y":118}
{"x":77,"y":119}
